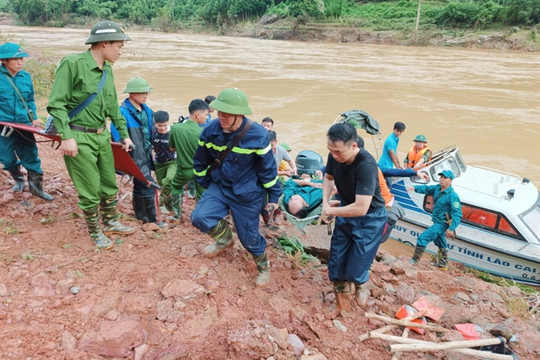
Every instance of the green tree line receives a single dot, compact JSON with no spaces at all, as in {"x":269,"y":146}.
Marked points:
{"x":170,"y":15}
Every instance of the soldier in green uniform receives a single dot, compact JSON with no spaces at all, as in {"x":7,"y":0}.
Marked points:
{"x":82,"y":98}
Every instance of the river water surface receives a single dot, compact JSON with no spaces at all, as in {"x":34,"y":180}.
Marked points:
{"x":485,"y":102}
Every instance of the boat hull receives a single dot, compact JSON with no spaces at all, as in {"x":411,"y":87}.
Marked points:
{"x":474,"y":255}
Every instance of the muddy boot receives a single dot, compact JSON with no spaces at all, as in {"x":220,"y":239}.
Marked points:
{"x":151,"y":213}
{"x":139,"y":208}
{"x":165,"y":200}
{"x":92,"y":221}
{"x":361,"y":294}
{"x":343,"y":297}
{"x":177,"y":202}
{"x":263,"y":266}
{"x":418,"y":251}
{"x":110,"y":216}
{"x":19,"y":179}
{"x":443,"y":259}
{"x":222,"y":233}
{"x":35,"y":183}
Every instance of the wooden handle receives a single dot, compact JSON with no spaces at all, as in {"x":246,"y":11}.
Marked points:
{"x":447,"y":345}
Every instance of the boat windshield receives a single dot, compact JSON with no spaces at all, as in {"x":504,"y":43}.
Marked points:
{"x":531,"y":218}
{"x":449,"y":163}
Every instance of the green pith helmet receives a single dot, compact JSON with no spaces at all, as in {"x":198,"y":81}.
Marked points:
{"x":232,"y":101}
{"x":106,"y":31}
{"x":11,"y":51}
{"x":420,"y":138}
{"x":137,"y":85}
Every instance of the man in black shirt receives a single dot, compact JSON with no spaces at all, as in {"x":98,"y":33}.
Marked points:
{"x":360,"y":216}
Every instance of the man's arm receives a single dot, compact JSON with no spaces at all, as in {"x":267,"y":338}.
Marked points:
{"x":395,"y":159}
{"x":359,"y":207}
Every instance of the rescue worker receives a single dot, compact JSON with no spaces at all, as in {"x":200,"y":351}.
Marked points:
{"x":184,"y":139}
{"x":359,"y":219}
{"x":237,"y":182}
{"x":80,"y":120}
{"x":446,"y":217}
{"x":139,"y":121}
{"x":419,"y":154}
{"x":17,"y":105}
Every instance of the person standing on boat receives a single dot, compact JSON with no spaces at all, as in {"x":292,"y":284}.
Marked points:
{"x":419,"y":154}
{"x":17,"y":105}
{"x":360,"y":217}
{"x":446,"y":217}
{"x":389,"y":158}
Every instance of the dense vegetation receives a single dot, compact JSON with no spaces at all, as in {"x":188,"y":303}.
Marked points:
{"x":171,"y":15}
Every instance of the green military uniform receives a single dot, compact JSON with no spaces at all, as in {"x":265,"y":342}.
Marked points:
{"x":92,"y":170}
{"x":184,"y":137}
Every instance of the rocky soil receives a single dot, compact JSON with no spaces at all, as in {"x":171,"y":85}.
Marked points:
{"x":155,"y":297}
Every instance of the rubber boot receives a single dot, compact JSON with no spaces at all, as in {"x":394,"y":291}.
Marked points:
{"x":19,"y":179}
{"x":443,"y":259}
{"x":139,"y":208}
{"x":222,"y":233}
{"x":110,"y":216}
{"x":191,"y":190}
{"x":165,"y":200}
{"x":151,"y":213}
{"x":177,"y":202}
{"x":35,"y":183}
{"x":343,"y":297}
{"x":361,"y":294}
{"x":92,"y":221}
{"x":263,"y":266}
{"x":418,"y":251}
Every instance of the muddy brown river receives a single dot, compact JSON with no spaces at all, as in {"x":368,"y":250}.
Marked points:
{"x":485,"y":102}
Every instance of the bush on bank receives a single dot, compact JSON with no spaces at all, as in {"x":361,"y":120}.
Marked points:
{"x":170,"y":15}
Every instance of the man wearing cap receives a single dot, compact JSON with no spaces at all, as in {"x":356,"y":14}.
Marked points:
{"x":164,"y":159}
{"x":184,"y":139}
{"x":419,"y":154}
{"x":237,"y":182}
{"x":139,"y":121}
{"x":446,"y":217}
{"x":17,"y":105}
{"x":83,"y":97}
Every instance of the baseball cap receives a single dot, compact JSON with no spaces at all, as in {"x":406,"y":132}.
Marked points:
{"x":447,"y":173}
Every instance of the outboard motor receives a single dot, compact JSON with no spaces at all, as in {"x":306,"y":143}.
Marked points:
{"x":307,"y":162}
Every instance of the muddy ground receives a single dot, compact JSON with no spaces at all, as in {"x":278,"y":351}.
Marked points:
{"x":155,"y":297}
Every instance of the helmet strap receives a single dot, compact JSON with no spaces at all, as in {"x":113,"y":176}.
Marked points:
{"x":232,"y":127}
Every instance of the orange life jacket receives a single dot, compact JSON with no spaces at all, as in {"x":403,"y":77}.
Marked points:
{"x":385,"y":191}
{"x":414,"y":156}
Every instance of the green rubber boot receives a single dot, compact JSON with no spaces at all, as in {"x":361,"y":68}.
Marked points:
{"x":110,"y":215}
{"x":418,"y":251}
{"x":263,"y":266}
{"x":177,"y":202}
{"x":222,"y":233}
{"x":92,"y":221}
{"x":442,"y":263}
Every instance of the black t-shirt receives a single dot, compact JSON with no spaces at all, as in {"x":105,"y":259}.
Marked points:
{"x":359,"y":178}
